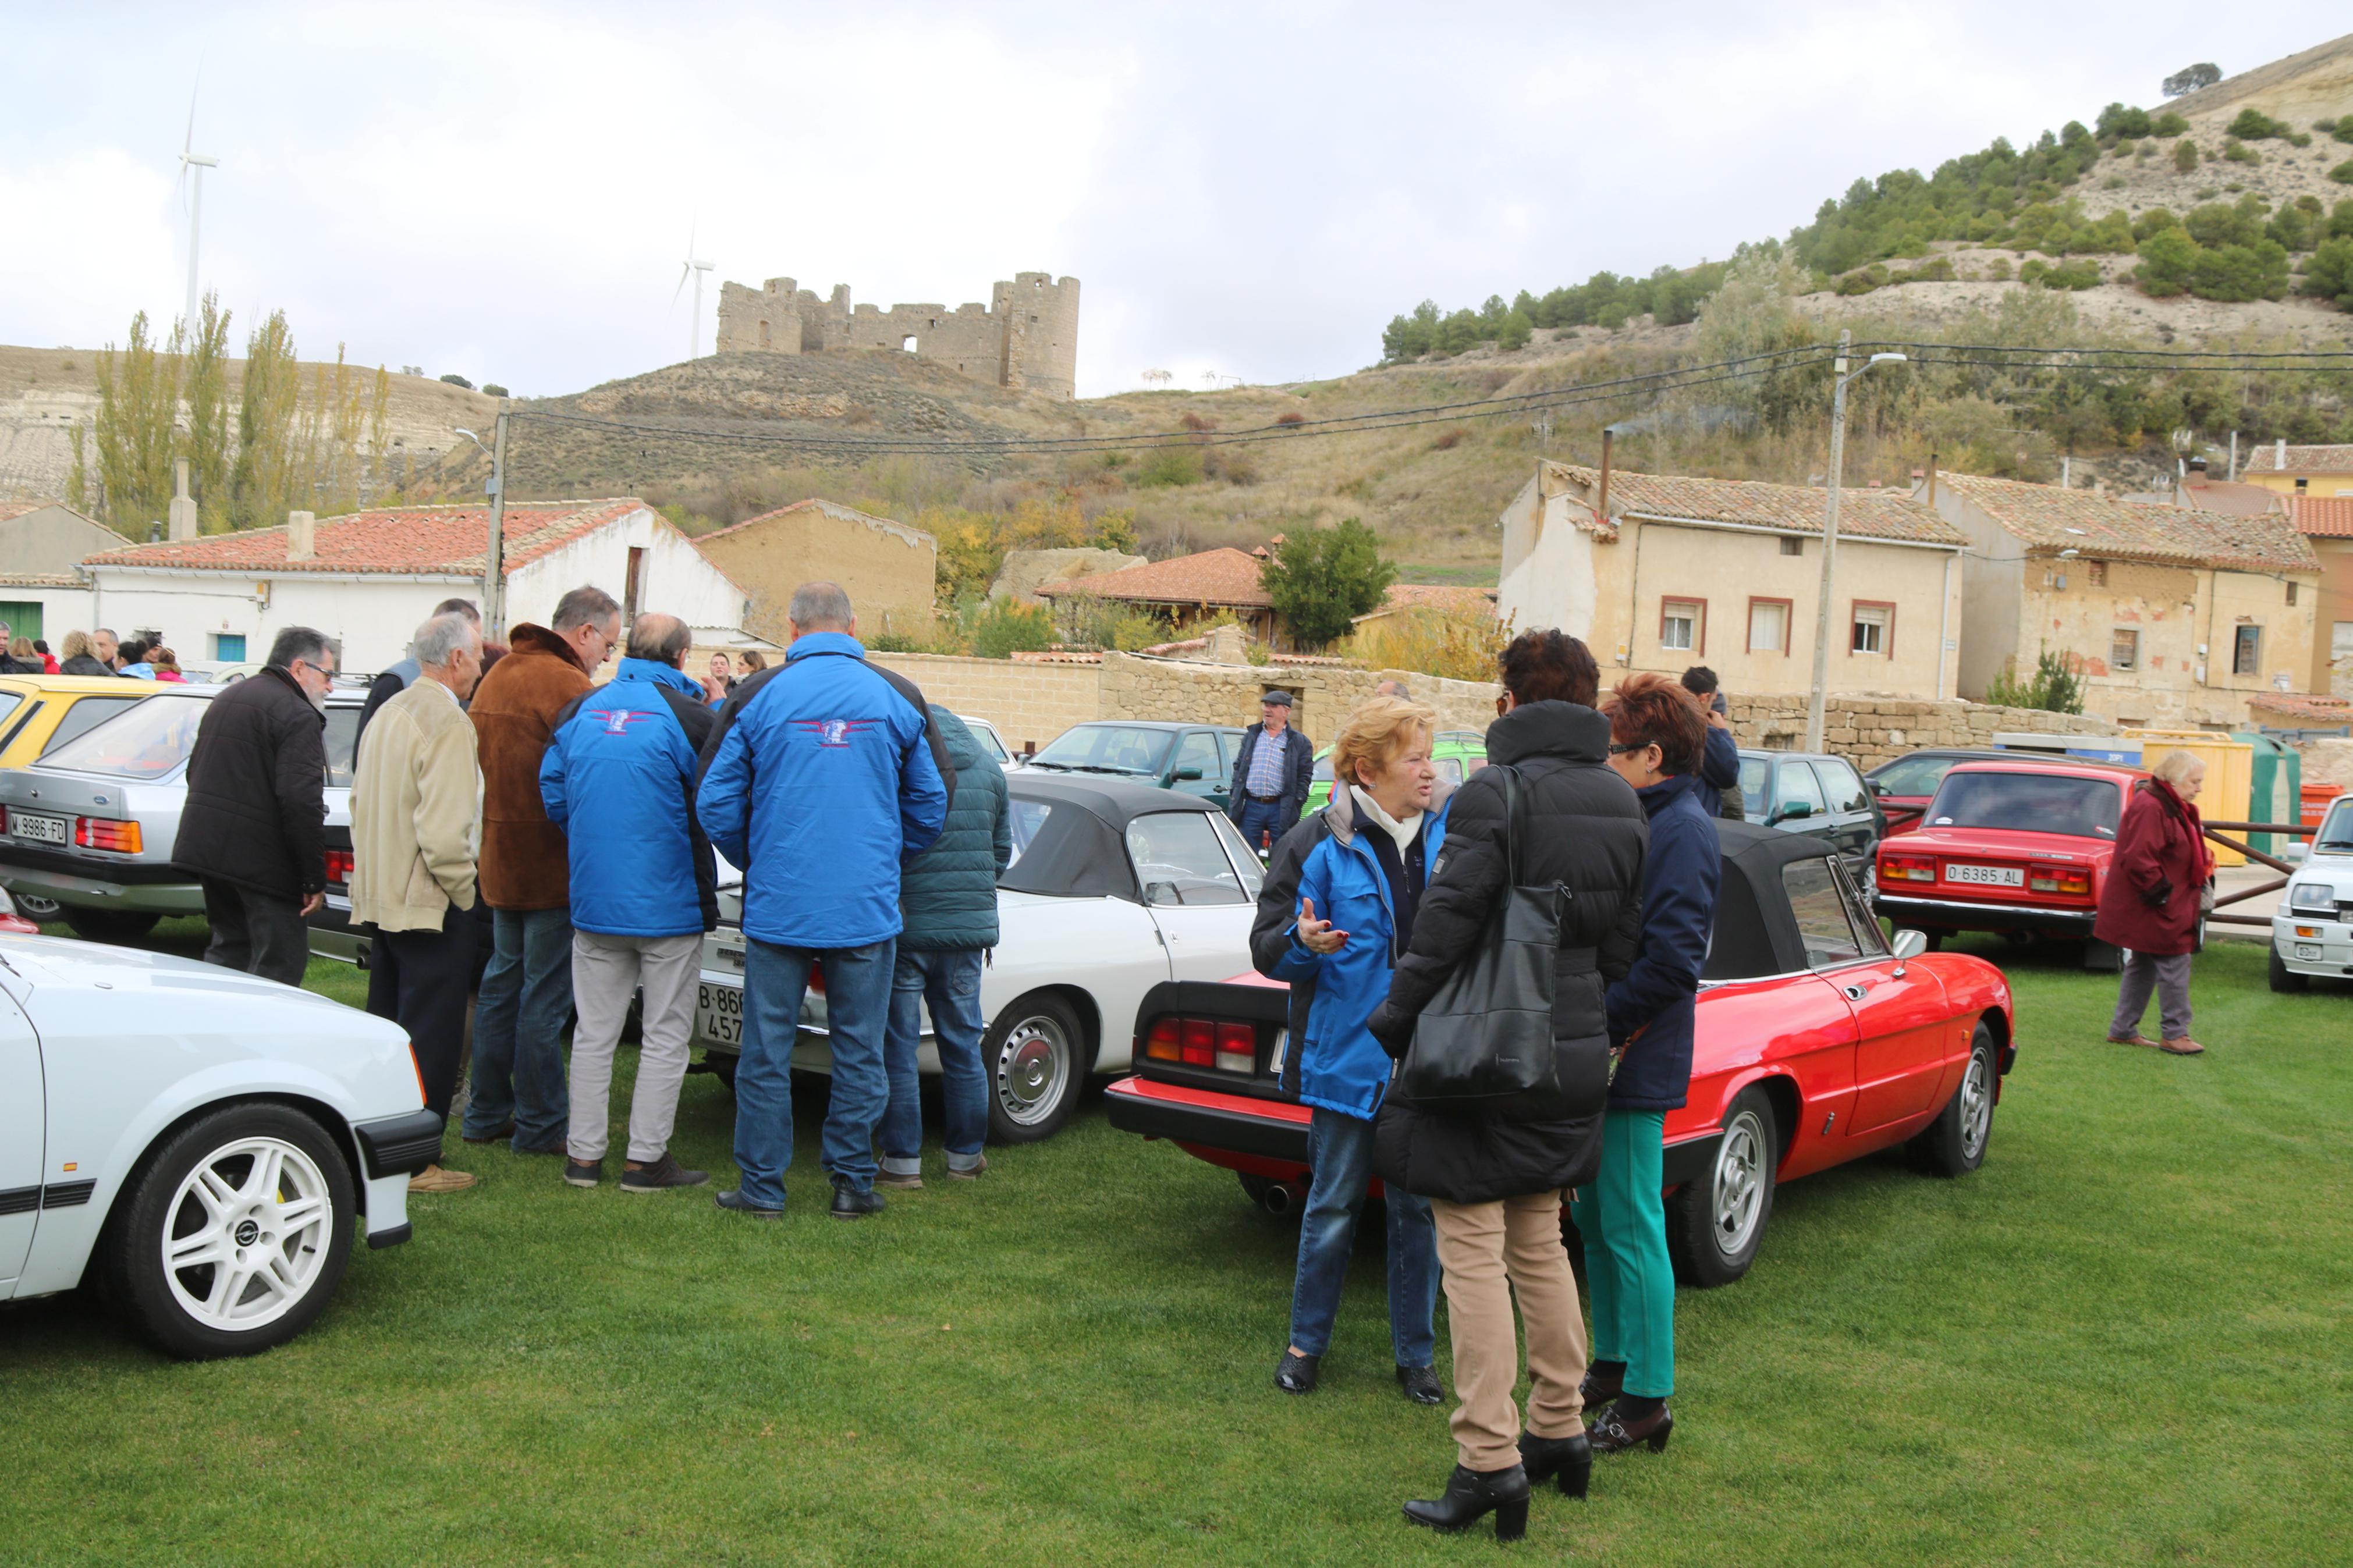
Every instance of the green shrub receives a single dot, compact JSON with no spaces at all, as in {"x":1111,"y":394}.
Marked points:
{"x":2185,"y":154}
{"x":492,"y":389}
{"x":1006,"y":628}
{"x":1169,"y":467}
{"x":2237,"y":273}
{"x":2240,"y":153}
{"x":2152,"y":220}
{"x":2329,"y":274}
{"x":2340,"y":219}
{"x":1999,"y":269}
{"x":2054,"y":687}
{"x":2299,"y":139}
{"x":2343,"y":129}
{"x":454,"y":379}
{"x":2167,"y":125}
{"x":2070,"y":275}
{"x":2343,"y":173}
{"x":1514,"y":332}
{"x":1322,"y":579}
{"x":1113,"y":531}
{"x":2295,"y":227}
{"x":2255,"y":125}
{"x":2227,"y":223}
{"x":2167,"y":259}
{"x":2116,"y":120}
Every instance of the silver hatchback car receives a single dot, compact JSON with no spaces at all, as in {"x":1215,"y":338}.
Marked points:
{"x":91,"y":828}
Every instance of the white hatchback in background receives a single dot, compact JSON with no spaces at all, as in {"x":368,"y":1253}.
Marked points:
{"x":2312,"y":929}
{"x":197,"y":1142}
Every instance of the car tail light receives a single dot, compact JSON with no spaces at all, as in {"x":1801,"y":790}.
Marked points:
{"x":1204,"y":1043}
{"x":817,"y":978}
{"x":1160,"y":1045}
{"x":2074,"y":881}
{"x":340,"y":863}
{"x":1237,"y":1048}
{"x":1197,"y":1042}
{"x":106,"y":833}
{"x":1907,"y":867}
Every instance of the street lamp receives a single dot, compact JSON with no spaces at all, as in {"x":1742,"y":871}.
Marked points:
{"x":494,"y":598}
{"x":1830,"y":531}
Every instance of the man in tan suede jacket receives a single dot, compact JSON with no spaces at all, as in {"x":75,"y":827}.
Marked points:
{"x":416,"y":824}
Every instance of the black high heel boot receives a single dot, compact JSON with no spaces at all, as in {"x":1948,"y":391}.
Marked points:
{"x":1471,"y":1493}
{"x":1570,"y":1458}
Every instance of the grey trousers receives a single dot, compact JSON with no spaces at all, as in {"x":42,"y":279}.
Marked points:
{"x":2170,"y":977}
{"x":606,"y":971}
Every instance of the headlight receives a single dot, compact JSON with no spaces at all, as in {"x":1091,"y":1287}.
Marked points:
{"x":2316,"y":897}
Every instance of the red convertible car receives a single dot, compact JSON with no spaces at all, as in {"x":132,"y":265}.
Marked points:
{"x":1819,"y":1042}
{"x":2019,"y":847}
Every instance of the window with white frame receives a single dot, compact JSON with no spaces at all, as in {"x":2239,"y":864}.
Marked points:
{"x":2123,"y":648}
{"x":1872,"y":625}
{"x":1769,"y":626}
{"x":1679,"y":624}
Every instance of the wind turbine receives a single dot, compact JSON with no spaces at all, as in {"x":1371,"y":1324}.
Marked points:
{"x":695,"y":269}
{"x":191,"y":160}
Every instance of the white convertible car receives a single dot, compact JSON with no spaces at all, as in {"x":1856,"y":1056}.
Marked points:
{"x":1114,"y":887}
{"x":195,"y":1142}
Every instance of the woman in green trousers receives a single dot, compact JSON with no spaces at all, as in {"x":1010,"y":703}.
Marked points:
{"x":1657,"y":736}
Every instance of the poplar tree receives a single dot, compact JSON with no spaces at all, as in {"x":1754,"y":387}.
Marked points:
{"x":138,"y":408}
{"x":264,"y":480}
{"x":204,"y":380}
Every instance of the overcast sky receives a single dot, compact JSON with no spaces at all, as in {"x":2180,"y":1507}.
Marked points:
{"x":1254,"y":190}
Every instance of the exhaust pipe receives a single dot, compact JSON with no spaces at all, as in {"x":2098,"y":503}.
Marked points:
{"x":1280,"y":1198}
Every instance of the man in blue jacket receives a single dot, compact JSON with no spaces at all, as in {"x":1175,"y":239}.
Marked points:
{"x":823,"y":778}
{"x":618,"y":777}
{"x":1719,"y":765}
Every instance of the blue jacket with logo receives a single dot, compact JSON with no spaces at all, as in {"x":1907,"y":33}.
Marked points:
{"x":618,"y":777}
{"x":1339,"y":1066}
{"x":823,"y":779}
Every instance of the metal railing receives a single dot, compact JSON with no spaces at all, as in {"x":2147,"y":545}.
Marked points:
{"x":2220,"y":832}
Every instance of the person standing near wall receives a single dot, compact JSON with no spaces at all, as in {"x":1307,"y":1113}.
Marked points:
{"x":1273,"y":773}
{"x":1719,"y":765}
{"x":526,"y":996}
{"x":1656,"y":736}
{"x":2151,"y":903}
{"x":619,"y":779}
{"x":416,"y":816}
{"x":821,"y":783}
{"x":947,"y":906}
{"x":254,"y":827}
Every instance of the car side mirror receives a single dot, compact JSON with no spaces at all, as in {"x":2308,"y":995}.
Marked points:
{"x":1161,"y":893}
{"x":1909,"y":945}
{"x":1876,"y":787}
{"x":1185,"y":775}
{"x":1795,"y":811}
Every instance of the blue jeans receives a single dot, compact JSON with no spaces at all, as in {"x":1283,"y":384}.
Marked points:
{"x":519,"y":1020}
{"x":949,"y":979}
{"x":1340,"y":1150}
{"x":1262,"y":818}
{"x":856,"y":1006}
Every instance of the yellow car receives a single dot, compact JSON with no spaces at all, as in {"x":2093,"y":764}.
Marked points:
{"x":40,"y":713}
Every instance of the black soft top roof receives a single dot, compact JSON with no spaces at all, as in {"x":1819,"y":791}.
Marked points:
{"x":1080,"y":849}
{"x":1755,"y":934}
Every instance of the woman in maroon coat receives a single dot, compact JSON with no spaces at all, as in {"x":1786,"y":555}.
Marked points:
{"x":2150,"y":905}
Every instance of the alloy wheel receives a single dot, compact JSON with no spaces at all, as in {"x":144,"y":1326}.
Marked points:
{"x":247,"y":1234}
{"x":1976,"y":1105}
{"x":1740,"y":1173}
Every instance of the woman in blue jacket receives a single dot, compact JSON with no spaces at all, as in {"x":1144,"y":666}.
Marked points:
{"x":1658,"y":734}
{"x":1336,"y":912}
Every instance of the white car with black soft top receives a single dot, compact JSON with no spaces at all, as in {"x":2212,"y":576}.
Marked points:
{"x":198,"y":1144}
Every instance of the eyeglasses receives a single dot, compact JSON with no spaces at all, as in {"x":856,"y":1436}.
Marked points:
{"x":1617,"y":751}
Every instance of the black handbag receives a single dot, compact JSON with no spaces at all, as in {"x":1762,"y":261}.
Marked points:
{"x":1485,"y":1039}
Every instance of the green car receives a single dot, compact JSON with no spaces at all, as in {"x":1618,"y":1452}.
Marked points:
{"x":1459,"y":754}
{"x":1193,"y":759}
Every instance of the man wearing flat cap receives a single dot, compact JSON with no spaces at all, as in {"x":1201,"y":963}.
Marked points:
{"x":1272,"y":775}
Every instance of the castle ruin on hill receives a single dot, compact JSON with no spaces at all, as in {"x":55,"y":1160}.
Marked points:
{"x":1026,"y":338}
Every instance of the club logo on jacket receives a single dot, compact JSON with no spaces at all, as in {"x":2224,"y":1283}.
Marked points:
{"x":832,"y":731}
{"x":617,"y":720}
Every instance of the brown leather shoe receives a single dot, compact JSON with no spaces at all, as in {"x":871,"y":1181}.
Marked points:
{"x":2181,"y":1046}
{"x":2134,"y":1038}
{"x":1601,"y":1387}
{"x":1611,"y":1435}
{"x":435,"y":1179}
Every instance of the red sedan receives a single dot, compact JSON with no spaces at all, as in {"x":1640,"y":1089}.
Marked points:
{"x":2018,"y":847}
{"x":1818,"y":1043}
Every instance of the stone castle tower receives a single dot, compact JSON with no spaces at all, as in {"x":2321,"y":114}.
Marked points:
{"x":1026,"y":338}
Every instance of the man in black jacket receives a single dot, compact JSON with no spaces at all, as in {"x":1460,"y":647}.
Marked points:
{"x":252,"y":828}
{"x":1272,"y":775}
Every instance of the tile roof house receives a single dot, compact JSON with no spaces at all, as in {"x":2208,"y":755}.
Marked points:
{"x":2171,"y":615}
{"x":890,"y":569}
{"x":2324,"y":471}
{"x":1661,"y":572}
{"x":43,"y":592}
{"x":1187,"y":587}
{"x":369,"y":577}
{"x":2326,"y":524}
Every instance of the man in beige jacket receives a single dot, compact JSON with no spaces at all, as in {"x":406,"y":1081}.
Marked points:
{"x":417,"y":825}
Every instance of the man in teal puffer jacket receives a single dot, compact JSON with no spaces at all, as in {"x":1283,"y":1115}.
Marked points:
{"x":947,"y":898}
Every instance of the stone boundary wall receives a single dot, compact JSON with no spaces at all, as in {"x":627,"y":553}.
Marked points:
{"x":1140,"y":688}
{"x":1027,"y":702}
{"x":1868,"y":730}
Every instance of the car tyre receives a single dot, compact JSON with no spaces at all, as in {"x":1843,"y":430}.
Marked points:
{"x":109,"y":925}
{"x":34,"y":907}
{"x":1034,"y":1057}
{"x":1955,"y":1143}
{"x":2286,"y":981}
{"x":230,"y":1237}
{"x":2102,"y":957}
{"x":1715,"y":1225}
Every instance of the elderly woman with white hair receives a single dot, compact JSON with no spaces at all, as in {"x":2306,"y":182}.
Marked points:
{"x":2150,"y":905}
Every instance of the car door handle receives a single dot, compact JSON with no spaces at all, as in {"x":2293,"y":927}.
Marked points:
{"x":1855,"y":993}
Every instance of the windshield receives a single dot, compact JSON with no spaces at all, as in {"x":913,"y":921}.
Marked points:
{"x":1912,"y":775}
{"x":1105,"y":749}
{"x":2027,"y":803}
{"x":2335,"y":837}
{"x":1756,"y":775}
{"x":146,"y":743}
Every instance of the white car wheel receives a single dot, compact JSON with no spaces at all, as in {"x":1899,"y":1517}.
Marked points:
{"x":232,"y":1233}
{"x":1035,"y":1057}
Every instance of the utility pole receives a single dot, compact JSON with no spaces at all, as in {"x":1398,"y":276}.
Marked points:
{"x":1830,"y":532}
{"x":494,"y":583}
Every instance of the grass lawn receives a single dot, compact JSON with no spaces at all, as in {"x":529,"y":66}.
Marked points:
{"x":2124,"y":1341}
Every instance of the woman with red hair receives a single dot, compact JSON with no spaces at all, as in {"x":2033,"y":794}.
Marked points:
{"x":1657,"y":737}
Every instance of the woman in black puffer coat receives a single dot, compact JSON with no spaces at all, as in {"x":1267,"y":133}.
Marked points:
{"x":1494,"y":1180}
